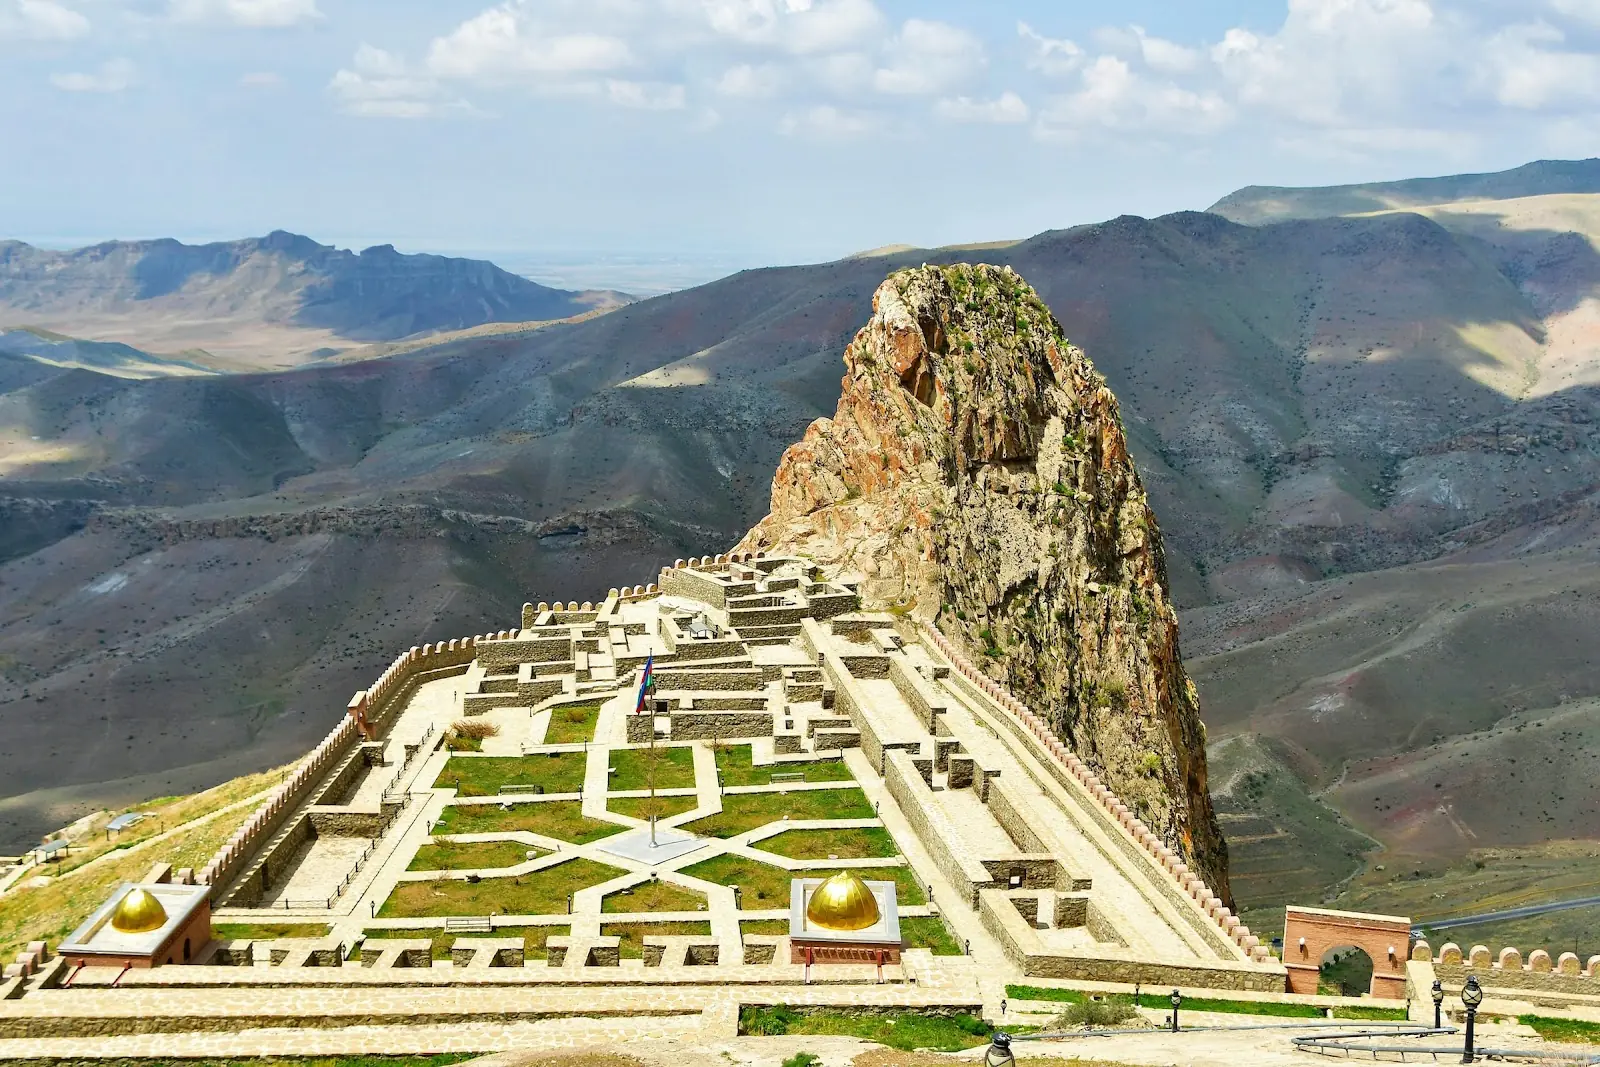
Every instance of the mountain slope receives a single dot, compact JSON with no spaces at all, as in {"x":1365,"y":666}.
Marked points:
{"x":1256,"y":204}
{"x":976,"y":471}
{"x":1307,"y":402}
{"x":243,"y":301}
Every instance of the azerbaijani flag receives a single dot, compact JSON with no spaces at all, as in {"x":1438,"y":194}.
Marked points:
{"x":646,"y":680}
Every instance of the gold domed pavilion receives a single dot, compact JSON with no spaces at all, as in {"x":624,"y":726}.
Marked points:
{"x":843,"y":902}
{"x":139,"y":912}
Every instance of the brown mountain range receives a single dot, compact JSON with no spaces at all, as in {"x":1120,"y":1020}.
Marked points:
{"x":1369,"y":442}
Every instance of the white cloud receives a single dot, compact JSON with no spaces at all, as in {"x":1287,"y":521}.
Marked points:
{"x":114,"y":76}
{"x":647,"y":96}
{"x":929,"y":57}
{"x":1533,"y":72}
{"x":1113,"y":96}
{"x":1588,"y":10}
{"x":799,"y":27}
{"x":1007,"y":109}
{"x":829,"y":123}
{"x":253,"y":13}
{"x":1052,"y":56}
{"x":40,"y":20}
{"x":500,"y":43}
{"x":379,"y":84}
{"x":750,"y":82}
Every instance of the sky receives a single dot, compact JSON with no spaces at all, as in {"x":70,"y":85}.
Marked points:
{"x":757,"y":130}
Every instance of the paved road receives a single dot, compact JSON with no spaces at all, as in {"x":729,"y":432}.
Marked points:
{"x":1509,"y":913}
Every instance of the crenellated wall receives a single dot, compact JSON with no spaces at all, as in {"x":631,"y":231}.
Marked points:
{"x":1509,"y":969}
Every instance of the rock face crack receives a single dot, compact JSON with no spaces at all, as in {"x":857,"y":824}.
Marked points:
{"x":976,"y":474}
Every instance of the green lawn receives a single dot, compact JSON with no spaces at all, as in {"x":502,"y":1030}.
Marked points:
{"x":470,"y":856}
{"x":905,"y":1030}
{"x":764,"y":926}
{"x":482,"y":776}
{"x":561,"y":819}
{"x":572,"y":725}
{"x":871,"y":842}
{"x":1573,"y":1031}
{"x":533,"y":938}
{"x":764,"y":886}
{"x":541,"y":893}
{"x":633,"y":934}
{"x":928,"y":931}
{"x":674,"y":768}
{"x":1230,"y":1007}
{"x":653,"y":896}
{"x":746,"y":811}
{"x":644,"y":807}
{"x":268,"y":931}
{"x":761,"y":885}
{"x":735,"y":766}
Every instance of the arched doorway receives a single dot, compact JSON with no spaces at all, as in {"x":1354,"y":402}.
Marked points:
{"x":1310,"y":933}
{"x":1346,"y":971}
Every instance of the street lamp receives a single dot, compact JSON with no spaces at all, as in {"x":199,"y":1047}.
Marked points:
{"x":1438,"y":1002}
{"x":998,"y":1054}
{"x":1471,"y":997}
{"x":1177,"y":1001}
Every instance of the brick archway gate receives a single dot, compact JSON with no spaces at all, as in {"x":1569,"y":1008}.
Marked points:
{"x":1308,"y":933}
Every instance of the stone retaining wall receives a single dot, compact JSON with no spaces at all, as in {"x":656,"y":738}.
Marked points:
{"x":933,"y":828}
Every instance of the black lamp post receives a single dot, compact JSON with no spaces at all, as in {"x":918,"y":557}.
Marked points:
{"x":1438,"y":1002}
{"x":1177,"y":1001}
{"x":1471,"y":997}
{"x":999,"y":1054}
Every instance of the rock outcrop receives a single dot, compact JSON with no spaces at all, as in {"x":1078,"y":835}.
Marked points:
{"x":977,"y":475}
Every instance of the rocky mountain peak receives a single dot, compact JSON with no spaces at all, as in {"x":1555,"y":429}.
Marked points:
{"x":977,"y":475}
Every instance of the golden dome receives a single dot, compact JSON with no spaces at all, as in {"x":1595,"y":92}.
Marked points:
{"x":139,"y":913}
{"x":843,"y":902}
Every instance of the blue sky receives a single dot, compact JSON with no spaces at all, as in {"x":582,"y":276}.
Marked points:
{"x":775,"y":130}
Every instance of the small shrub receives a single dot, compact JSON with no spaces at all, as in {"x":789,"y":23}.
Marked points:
{"x":1095,"y":1014}
{"x":475,"y":729}
{"x":1150,"y":764}
{"x":577,"y":713}
{"x":803,"y":1059}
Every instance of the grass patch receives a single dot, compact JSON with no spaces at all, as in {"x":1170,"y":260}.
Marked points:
{"x":736,"y":766}
{"x":51,"y":912}
{"x":1569,"y":1031}
{"x":900,"y":1030}
{"x":572,"y":725}
{"x":534,"y":938}
{"x":928,"y":931}
{"x":560,"y":819}
{"x":653,"y":896}
{"x":764,"y":926}
{"x":269,"y":931}
{"x":747,"y":811}
{"x":633,"y":934}
{"x":470,"y":856}
{"x":761,"y":885}
{"x":541,"y":893}
{"x":643,"y":807}
{"x":673,"y":768}
{"x":1229,"y":1007}
{"x":870,"y":842}
{"x":557,"y":772}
